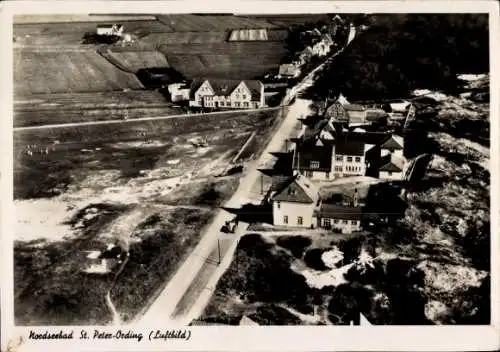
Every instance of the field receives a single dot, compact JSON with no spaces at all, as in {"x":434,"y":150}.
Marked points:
{"x":225,"y":59}
{"x":40,"y":109}
{"x":207,"y":23}
{"x":133,"y":61}
{"x":142,"y":185}
{"x":65,"y":72}
{"x":60,"y":34}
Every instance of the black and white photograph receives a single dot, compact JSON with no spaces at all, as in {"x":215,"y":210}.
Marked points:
{"x":251,"y":169}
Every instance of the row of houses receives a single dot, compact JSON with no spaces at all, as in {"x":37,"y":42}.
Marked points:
{"x":327,"y":149}
{"x":219,"y":93}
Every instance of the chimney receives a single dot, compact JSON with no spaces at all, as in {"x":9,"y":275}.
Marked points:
{"x":355,"y":198}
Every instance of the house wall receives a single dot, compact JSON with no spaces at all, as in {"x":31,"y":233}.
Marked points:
{"x":293,"y":211}
{"x":318,"y":175}
{"x":349,"y":168}
{"x":204,"y":90}
{"x":341,"y":225}
{"x":357,"y":116}
{"x":384,"y":175}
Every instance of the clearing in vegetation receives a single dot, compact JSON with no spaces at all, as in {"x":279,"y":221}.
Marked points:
{"x":146,"y":187}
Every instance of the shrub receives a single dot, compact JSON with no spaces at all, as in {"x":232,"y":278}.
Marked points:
{"x":313,"y":259}
{"x":296,"y":244}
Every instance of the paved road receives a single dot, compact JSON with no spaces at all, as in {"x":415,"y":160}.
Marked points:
{"x":153,"y":118}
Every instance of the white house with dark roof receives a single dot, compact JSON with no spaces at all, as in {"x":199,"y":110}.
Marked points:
{"x":219,"y":93}
{"x":345,"y":219}
{"x":392,"y":167}
{"x":393,"y":145}
{"x":294,"y":202}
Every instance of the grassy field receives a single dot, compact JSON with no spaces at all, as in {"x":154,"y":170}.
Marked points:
{"x":40,"y":109}
{"x":207,"y":23}
{"x":142,"y":184}
{"x":72,"y":33}
{"x":65,"y":72}
{"x":133,"y":61}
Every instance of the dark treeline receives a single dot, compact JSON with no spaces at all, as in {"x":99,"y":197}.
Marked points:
{"x":399,"y":53}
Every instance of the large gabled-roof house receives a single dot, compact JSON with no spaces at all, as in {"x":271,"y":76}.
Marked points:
{"x":313,"y":161}
{"x":294,"y":202}
{"x":224,"y":93}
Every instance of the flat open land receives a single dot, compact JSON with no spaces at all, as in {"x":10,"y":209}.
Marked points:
{"x":230,"y":59}
{"x":65,"y":72}
{"x":41,"y":109}
{"x":142,"y":186}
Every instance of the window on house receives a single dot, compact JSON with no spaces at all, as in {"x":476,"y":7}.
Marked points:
{"x":244,"y":96}
{"x":354,"y":222}
{"x":278,"y":204}
{"x":299,"y":220}
{"x":285,"y":219}
{"x":390,"y":173}
{"x":358,"y":159}
{"x":326,"y":223}
{"x":314,"y":164}
{"x":327,"y":175}
{"x":237,"y":96}
{"x":246,"y":104}
{"x":335,"y":221}
{"x":339,"y":158}
{"x":346,"y":222}
{"x":349,"y":159}
{"x":238,"y":104}
{"x":338,"y":168}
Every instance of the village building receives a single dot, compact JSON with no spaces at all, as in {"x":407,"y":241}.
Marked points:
{"x":393,"y":167}
{"x":323,"y":46}
{"x":312,"y":161}
{"x":341,"y":218}
{"x":294,"y":202}
{"x":349,"y":158}
{"x":393,"y":145}
{"x":110,"y":29}
{"x":230,"y":94}
{"x":305,"y":55}
{"x":291,"y":70}
{"x":179,"y":91}
{"x":356,"y":113}
{"x":374,"y":116}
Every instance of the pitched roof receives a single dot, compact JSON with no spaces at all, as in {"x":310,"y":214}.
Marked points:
{"x":305,"y":154}
{"x":225,"y":87}
{"x":375,"y":114}
{"x":354,"y":107}
{"x":349,"y":147}
{"x":337,"y":112}
{"x":342,"y":212}
{"x":298,"y":189}
{"x":392,"y":163}
{"x":393,"y":143}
